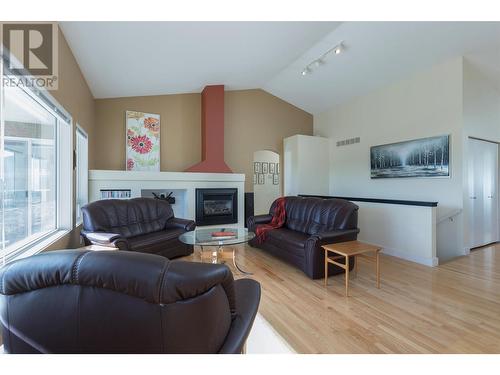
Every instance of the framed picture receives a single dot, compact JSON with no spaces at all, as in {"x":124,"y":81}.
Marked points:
{"x":255,"y":178}
{"x":143,"y":141}
{"x":277,"y":168}
{"x":265,"y":167}
{"x":256,"y":167}
{"x":272,"y":168}
{"x":276,"y":179}
{"x":261,"y":179}
{"x":424,"y":157}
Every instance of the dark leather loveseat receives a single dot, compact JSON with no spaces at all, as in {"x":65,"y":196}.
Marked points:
{"x":80,"y":301}
{"x":310,"y":223}
{"x":145,"y":225}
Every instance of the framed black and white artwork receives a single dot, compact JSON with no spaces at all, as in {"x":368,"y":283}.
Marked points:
{"x":257,"y":167}
{"x":276,"y":179}
{"x":272,"y":168}
{"x":424,"y":157}
{"x":261,"y":179}
{"x":255,"y":178}
{"x":277,"y":168}
{"x":265,"y":167}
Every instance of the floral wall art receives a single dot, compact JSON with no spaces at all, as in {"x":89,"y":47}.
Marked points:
{"x":143,"y":141}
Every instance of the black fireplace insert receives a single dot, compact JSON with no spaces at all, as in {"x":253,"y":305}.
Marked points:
{"x":216,"y":206}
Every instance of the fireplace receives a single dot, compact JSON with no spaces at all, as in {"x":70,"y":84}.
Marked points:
{"x":216,"y":206}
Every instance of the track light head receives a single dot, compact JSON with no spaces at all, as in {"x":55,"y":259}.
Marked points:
{"x":338,"y":49}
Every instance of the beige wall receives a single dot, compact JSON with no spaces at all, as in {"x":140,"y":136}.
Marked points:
{"x":254,"y":120}
{"x":74,"y":95}
{"x":180,"y":129}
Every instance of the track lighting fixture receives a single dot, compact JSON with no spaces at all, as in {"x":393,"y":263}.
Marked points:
{"x":306,"y":71}
{"x":338,"y":49}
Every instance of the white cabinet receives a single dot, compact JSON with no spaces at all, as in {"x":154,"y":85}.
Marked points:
{"x":483,"y":192}
{"x":306,"y":162}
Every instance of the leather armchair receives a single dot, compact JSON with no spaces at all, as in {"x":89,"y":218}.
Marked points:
{"x":77,"y":301}
{"x":139,"y":224}
{"x":309,"y":224}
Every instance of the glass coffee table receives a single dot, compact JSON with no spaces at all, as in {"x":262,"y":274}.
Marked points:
{"x":219,"y":248}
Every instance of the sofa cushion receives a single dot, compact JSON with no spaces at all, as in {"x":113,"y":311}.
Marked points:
{"x":150,"y":242}
{"x":288,"y":239}
{"x":316,"y":215}
{"x":129,"y":218}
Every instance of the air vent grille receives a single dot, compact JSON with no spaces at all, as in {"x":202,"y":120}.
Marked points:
{"x":347,"y":142}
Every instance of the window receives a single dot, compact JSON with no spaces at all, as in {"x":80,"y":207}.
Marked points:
{"x":81,"y":151}
{"x":35,"y":170}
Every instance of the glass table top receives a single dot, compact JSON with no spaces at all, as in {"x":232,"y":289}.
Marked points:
{"x":203,"y":237}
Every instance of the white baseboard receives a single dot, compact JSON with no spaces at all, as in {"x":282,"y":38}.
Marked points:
{"x":431,"y":262}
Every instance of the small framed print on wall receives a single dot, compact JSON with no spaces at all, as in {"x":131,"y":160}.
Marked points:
{"x":256,"y":167}
{"x":277,"y":168}
{"x":272,"y":168}
{"x":261,"y":179}
{"x":255,"y":178}
{"x":276,"y":179}
{"x":265,"y":167}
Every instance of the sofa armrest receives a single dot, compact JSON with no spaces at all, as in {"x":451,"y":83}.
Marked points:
{"x":174,"y":223}
{"x":103,"y":238}
{"x":253,"y":221}
{"x":335,"y":236}
{"x":247,"y":293}
{"x":185,"y":280}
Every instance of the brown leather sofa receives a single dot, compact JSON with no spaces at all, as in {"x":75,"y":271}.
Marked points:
{"x":310,"y":223}
{"x":145,"y":225}
{"x":77,"y":301}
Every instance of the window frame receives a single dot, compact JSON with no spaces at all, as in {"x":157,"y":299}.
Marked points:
{"x":64,"y":173}
{"x":80,"y":131}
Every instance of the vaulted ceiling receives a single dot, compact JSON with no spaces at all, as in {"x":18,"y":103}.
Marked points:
{"x":149,"y":58}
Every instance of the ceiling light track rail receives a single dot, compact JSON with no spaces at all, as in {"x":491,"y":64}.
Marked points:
{"x":337,"y":50}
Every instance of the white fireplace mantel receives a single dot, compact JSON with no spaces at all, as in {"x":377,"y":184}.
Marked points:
{"x":182,"y":184}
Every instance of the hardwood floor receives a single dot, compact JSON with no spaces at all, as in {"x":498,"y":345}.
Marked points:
{"x":453,"y":308}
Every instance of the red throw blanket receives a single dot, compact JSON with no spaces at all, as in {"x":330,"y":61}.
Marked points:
{"x":277,"y":221}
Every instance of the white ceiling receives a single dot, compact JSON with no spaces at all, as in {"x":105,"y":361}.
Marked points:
{"x":150,"y":58}
{"x":379,"y":53}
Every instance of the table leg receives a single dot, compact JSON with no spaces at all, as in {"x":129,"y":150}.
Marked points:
{"x":377,"y":262}
{"x":326,"y":268}
{"x":356,"y":265}
{"x":347,"y":276}
{"x":238,"y":267}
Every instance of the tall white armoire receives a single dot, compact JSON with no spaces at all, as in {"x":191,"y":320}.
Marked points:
{"x":306,"y":166}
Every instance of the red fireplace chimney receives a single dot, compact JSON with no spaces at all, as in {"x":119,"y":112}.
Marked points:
{"x":212,"y":132}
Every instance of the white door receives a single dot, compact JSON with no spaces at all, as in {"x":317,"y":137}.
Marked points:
{"x":474,"y":184}
{"x":483,"y":188}
{"x":490,"y":189}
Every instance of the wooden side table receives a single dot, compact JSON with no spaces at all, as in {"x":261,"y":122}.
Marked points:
{"x":350,"y":249}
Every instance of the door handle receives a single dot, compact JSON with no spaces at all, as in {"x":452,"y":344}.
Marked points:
{"x":490,"y":196}
{"x":473,"y":197}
